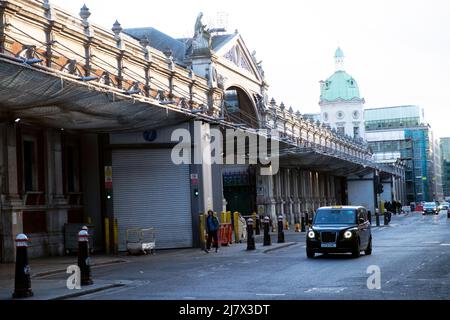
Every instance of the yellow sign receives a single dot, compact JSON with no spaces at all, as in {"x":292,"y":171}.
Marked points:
{"x":108,"y":177}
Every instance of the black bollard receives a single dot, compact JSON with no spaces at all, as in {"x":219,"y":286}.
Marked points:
{"x":267,"y":239}
{"x":22,"y":283}
{"x":280,"y":230}
{"x":258,"y":225}
{"x":250,"y":235}
{"x":377,"y":217}
{"x":84,"y":262}
{"x":387,"y":218}
{"x":303,"y":224}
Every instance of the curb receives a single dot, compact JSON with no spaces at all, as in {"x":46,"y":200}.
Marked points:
{"x":289,"y":244}
{"x":54,"y":272}
{"x":89,"y":291}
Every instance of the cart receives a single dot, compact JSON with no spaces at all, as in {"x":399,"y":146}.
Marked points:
{"x":141,"y":241}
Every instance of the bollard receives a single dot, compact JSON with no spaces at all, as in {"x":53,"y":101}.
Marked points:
{"x":387,"y":218}
{"x":258,"y":225}
{"x":22,"y":283}
{"x":84,"y":262}
{"x":202,"y":231}
{"x":267,"y":239}
{"x":369,"y":215}
{"x":107,"y":237}
{"x":377,"y":217}
{"x":250,"y":235}
{"x":237,"y":238}
{"x":303,"y":224}
{"x":280,"y":230}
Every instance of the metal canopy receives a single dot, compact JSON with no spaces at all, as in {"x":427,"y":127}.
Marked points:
{"x":52,"y":100}
{"x":312,"y":160}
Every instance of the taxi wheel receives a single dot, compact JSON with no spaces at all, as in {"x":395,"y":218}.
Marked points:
{"x":356,"y":253}
{"x":368,"y":251}
{"x":310,"y":254}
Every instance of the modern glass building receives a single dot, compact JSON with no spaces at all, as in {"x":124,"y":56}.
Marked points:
{"x":445,"y":156}
{"x":401,"y":133}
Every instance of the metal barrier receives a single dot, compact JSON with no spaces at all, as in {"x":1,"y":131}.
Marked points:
{"x":141,"y":241}
{"x":226,"y":234}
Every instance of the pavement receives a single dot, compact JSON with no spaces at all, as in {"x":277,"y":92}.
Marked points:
{"x":49,"y":277}
{"x":413,"y":254}
{"x":48,"y":289}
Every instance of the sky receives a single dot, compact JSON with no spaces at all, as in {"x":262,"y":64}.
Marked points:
{"x":397,"y":50}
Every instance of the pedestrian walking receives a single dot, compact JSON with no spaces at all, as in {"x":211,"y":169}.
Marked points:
{"x":212,"y":228}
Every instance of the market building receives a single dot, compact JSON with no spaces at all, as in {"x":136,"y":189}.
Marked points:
{"x":91,"y":117}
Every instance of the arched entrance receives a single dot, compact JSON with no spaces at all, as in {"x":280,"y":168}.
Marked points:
{"x":239,"y":181}
{"x":239,"y":108}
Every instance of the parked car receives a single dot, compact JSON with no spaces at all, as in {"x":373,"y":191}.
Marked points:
{"x":444,"y":206}
{"x":340,"y":229}
{"x":430,"y":207}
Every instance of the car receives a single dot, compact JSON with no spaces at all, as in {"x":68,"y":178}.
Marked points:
{"x":430,"y":207}
{"x":444,"y":206}
{"x":339,"y":229}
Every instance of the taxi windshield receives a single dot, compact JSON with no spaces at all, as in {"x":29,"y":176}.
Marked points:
{"x":335,"y":216}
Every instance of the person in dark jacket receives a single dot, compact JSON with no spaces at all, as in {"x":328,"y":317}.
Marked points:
{"x":212,"y":228}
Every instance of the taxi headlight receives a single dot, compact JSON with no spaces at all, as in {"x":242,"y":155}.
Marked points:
{"x":348,"y":234}
{"x":311,"y":235}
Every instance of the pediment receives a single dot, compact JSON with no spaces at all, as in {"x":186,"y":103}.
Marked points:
{"x":236,"y":52}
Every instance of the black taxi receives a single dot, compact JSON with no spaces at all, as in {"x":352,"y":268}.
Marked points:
{"x":340,"y":229}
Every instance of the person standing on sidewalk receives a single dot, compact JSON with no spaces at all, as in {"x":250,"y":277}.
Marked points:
{"x":212,"y":227}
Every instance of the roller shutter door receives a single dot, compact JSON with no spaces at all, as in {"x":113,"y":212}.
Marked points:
{"x":150,"y":191}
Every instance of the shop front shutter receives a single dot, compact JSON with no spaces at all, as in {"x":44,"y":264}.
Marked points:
{"x":150,"y":191}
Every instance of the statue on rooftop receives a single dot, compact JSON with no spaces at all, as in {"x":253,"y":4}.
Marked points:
{"x":199,"y":26}
{"x":201,"y":41}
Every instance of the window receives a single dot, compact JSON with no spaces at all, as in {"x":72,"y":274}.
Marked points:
{"x":232,"y":101}
{"x":34,"y":222}
{"x":341,"y":130}
{"x":356,"y":132}
{"x":71,"y":169}
{"x":29,"y":166}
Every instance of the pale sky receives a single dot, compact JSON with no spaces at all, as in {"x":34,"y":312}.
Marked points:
{"x":397,"y":50}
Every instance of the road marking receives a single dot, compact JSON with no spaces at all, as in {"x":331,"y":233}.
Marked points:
{"x":445,"y":244}
{"x":271,"y":294}
{"x":325,"y":290}
{"x":432,"y":242}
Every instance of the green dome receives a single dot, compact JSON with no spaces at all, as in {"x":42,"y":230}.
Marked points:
{"x":339,"y":53}
{"x":340,"y":86}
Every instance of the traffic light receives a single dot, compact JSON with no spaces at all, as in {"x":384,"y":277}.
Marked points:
{"x":380,"y":188}
{"x":196,"y":193}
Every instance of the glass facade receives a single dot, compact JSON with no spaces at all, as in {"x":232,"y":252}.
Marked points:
{"x":445,"y":157}
{"x":412,"y":142}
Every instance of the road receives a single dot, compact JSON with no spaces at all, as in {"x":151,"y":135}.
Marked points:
{"x":413,"y":254}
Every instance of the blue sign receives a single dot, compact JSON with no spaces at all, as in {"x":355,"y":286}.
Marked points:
{"x":150,"y":135}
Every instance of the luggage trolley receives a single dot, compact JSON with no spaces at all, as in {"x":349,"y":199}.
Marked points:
{"x":141,"y":241}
